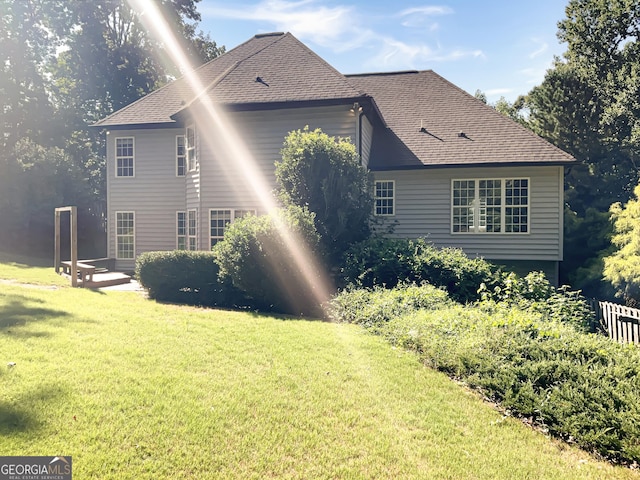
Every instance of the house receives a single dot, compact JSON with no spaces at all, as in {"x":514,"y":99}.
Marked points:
{"x":446,"y":166}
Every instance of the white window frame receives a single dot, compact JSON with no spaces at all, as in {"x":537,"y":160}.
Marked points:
{"x":233,"y":215}
{"x":477,"y":210}
{"x":181,"y":156}
{"x":192,"y":229}
{"x":379,"y":201}
{"x":190,"y":141}
{"x":123,"y":236}
{"x":181,"y":230}
{"x":122,"y":158}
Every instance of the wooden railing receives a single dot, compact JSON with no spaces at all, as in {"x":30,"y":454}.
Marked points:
{"x":621,"y":323}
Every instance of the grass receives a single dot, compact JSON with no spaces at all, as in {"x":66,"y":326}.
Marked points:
{"x":135,"y":389}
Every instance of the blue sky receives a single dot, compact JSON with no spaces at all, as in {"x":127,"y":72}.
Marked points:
{"x":502,"y":47}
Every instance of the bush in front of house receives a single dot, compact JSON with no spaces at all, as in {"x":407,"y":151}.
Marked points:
{"x":257,"y":257}
{"x":188,"y":277}
{"x":535,"y":293}
{"x":388,"y":261}
{"x":578,"y":386}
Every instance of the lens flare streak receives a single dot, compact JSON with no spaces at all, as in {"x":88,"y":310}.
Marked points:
{"x":211,"y":118}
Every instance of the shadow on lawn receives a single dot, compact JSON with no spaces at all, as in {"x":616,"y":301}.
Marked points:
{"x":17,"y":311}
{"x":21,"y":415}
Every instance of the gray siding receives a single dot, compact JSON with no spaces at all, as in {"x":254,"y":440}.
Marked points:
{"x":226,"y":175}
{"x":366,"y":138}
{"x":155,"y":193}
{"x":423,"y":209}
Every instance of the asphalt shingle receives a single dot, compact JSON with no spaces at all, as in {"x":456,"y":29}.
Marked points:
{"x":441,"y":125}
{"x":425,"y":120}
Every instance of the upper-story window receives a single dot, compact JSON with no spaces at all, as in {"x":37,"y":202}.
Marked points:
{"x":490,"y":205}
{"x":181,"y":156}
{"x":125,"y":157}
{"x":192,"y":161}
{"x":384,"y":196}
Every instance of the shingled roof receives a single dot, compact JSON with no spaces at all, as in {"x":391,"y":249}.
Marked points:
{"x":431,"y":122}
{"x":420,"y":119}
{"x":269,"y":68}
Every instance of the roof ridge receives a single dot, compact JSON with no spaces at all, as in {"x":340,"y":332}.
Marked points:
{"x":380,"y":74}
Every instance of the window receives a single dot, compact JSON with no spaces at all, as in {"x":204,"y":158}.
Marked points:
{"x":384,"y":197}
{"x":490,"y":206}
{"x":124,"y":157}
{"x":220,"y":219}
{"x":191,"y":147}
{"x":125,"y":235}
{"x":192,"y":230}
{"x":186,"y":230}
{"x":181,"y":156}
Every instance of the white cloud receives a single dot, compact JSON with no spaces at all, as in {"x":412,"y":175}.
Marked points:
{"x":395,"y":54}
{"x":340,"y":28}
{"x":305,"y":19}
{"x":421,"y":16}
{"x":542,"y":48}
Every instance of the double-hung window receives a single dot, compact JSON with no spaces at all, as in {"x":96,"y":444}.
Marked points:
{"x":220,"y":220}
{"x":192,"y":230}
{"x":490,"y":205}
{"x":384,"y":197}
{"x":125,"y":157}
{"x":125,"y":235}
{"x":181,"y":156}
{"x":190,"y":145}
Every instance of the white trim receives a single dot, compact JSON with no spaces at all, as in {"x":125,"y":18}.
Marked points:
{"x":184,"y":156}
{"x":376,"y":198}
{"x":133,"y":156}
{"x":185,"y":226}
{"x":192,"y":161}
{"x":192,"y":235}
{"x":234,"y":214}
{"x":133,"y":235}
{"x":477,"y":207}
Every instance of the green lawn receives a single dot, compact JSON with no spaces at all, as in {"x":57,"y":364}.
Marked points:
{"x":135,"y":389}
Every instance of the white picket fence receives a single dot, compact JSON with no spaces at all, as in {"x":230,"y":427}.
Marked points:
{"x":621,"y":323}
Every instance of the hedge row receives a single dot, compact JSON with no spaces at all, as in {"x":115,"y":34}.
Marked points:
{"x":189,"y":277}
{"x":578,"y":386}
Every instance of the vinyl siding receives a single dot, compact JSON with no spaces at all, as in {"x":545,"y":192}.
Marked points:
{"x":154,"y":194}
{"x":226,"y":178}
{"x":366,"y":138}
{"x":423,"y":209}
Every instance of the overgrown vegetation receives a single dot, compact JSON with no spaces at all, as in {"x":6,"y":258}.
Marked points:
{"x":523,"y":347}
{"x":386,"y":262}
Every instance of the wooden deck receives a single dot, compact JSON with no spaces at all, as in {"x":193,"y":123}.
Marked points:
{"x":102,"y":279}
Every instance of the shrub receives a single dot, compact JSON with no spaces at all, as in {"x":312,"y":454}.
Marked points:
{"x":188,"y":277}
{"x":535,"y":293}
{"x":373,"y":308}
{"x":255,"y":257}
{"x":324,"y":174}
{"x":387,"y":262}
{"x":581,"y":387}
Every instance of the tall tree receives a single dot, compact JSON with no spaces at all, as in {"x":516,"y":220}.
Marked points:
{"x":28,"y":42}
{"x":622,"y":268}
{"x":588,"y":105}
{"x":63,"y":65}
